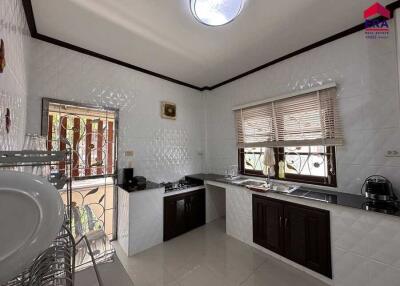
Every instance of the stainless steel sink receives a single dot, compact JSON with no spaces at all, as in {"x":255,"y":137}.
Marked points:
{"x":283,"y":188}
{"x":298,"y":193}
{"x":235,"y":179}
{"x":252,"y":183}
{"x":312,"y":195}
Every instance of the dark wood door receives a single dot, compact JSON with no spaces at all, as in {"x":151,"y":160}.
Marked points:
{"x":183,"y":212}
{"x":267,"y":223}
{"x":196,"y":215}
{"x":307,"y":237}
{"x":175,"y":209}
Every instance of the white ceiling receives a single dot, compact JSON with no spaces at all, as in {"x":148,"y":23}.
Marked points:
{"x":163,"y":36}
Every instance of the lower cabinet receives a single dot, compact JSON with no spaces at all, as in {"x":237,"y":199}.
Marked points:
{"x":184,"y":212}
{"x":297,"y":232}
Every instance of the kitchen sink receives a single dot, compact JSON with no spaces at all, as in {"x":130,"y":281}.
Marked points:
{"x":299,"y":193}
{"x":252,"y":183}
{"x":283,"y":188}
{"x":312,"y":195}
{"x":235,"y":179}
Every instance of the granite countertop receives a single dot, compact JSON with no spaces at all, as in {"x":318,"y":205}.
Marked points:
{"x":149,"y":186}
{"x":205,"y":177}
{"x":331,"y":197}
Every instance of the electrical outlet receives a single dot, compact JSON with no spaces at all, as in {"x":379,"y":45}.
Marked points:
{"x":392,"y":153}
{"x":129,"y":153}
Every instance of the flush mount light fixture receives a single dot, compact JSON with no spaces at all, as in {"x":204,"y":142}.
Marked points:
{"x":216,"y":12}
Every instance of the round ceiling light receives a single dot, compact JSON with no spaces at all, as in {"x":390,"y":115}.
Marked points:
{"x":216,"y":12}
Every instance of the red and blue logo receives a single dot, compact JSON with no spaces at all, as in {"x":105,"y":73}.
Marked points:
{"x":376,"y":25}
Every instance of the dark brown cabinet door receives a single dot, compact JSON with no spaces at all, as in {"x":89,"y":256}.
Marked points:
{"x":307,"y":237}
{"x":267,"y":222}
{"x":175,"y":209}
{"x":295,"y":234}
{"x":183,"y":212}
{"x":300,"y":233}
{"x":197,"y":209}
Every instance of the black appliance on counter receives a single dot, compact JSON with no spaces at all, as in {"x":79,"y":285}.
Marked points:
{"x":139,"y":182}
{"x":378,"y":188}
{"x":127,"y":177}
{"x":379,"y":192}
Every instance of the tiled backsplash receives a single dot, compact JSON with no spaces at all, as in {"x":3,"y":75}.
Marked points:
{"x":365,"y":71}
{"x":13,"y":81}
{"x":164,"y":150}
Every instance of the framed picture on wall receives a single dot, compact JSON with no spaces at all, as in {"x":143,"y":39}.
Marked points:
{"x":168,"y":110}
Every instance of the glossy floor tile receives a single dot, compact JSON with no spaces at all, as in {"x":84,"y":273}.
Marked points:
{"x":208,"y":257}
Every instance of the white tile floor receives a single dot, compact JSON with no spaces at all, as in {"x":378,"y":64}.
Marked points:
{"x":208,"y":257}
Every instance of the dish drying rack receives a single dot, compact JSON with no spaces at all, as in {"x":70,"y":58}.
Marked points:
{"x":56,"y":264}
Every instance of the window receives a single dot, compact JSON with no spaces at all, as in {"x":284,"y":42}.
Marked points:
{"x":91,"y":134}
{"x":251,"y":161}
{"x":303,"y":129}
{"x":306,"y":164}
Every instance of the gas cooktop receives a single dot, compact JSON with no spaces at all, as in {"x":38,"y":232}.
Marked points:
{"x":179,"y":185}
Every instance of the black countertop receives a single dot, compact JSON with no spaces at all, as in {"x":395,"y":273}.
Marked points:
{"x":331,"y":197}
{"x":205,"y":177}
{"x":149,"y":186}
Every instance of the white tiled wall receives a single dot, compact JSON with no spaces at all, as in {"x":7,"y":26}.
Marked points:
{"x":13,"y":81}
{"x":164,"y":150}
{"x":366,"y":73}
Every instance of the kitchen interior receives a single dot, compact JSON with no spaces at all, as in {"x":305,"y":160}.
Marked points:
{"x":199,"y":142}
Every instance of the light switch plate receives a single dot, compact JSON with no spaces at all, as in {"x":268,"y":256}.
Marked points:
{"x":129,"y":153}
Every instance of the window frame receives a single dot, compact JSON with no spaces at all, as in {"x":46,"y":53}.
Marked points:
{"x":280,"y":155}
{"x":45,"y":124}
{"x":44,"y":132}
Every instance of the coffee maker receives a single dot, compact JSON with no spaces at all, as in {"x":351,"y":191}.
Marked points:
{"x":378,"y":191}
{"x":378,"y":188}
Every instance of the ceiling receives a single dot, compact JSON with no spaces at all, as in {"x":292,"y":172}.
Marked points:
{"x":162,"y":36}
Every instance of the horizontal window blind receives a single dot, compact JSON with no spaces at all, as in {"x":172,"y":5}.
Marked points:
{"x":307,"y":119}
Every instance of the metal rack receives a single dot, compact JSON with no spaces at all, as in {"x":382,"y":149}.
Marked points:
{"x":55,"y":265}
{"x":17,"y":160}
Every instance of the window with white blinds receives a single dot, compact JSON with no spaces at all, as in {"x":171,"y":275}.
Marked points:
{"x":301,"y":120}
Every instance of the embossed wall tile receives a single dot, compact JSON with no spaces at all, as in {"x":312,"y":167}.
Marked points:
{"x":13,"y":81}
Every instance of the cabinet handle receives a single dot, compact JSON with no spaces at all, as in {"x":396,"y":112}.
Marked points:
{"x":280,"y":221}
{"x":286,"y":222}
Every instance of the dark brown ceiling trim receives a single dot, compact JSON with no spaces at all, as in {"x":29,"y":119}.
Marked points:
{"x":27,"y":4}
{"x":30,"y":18}
{"x":335,"y":37}
{"x":295,"y":53}
{"x":109,"y":59}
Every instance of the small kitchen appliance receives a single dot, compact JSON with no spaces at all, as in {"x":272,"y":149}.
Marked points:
{"x":139,"y":182}
{"x":378,"y":188}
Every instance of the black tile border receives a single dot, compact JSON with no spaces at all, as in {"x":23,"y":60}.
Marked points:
{"x":27,"y":4}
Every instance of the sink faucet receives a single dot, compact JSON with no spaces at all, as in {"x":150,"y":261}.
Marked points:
{"x":268,"y":179}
